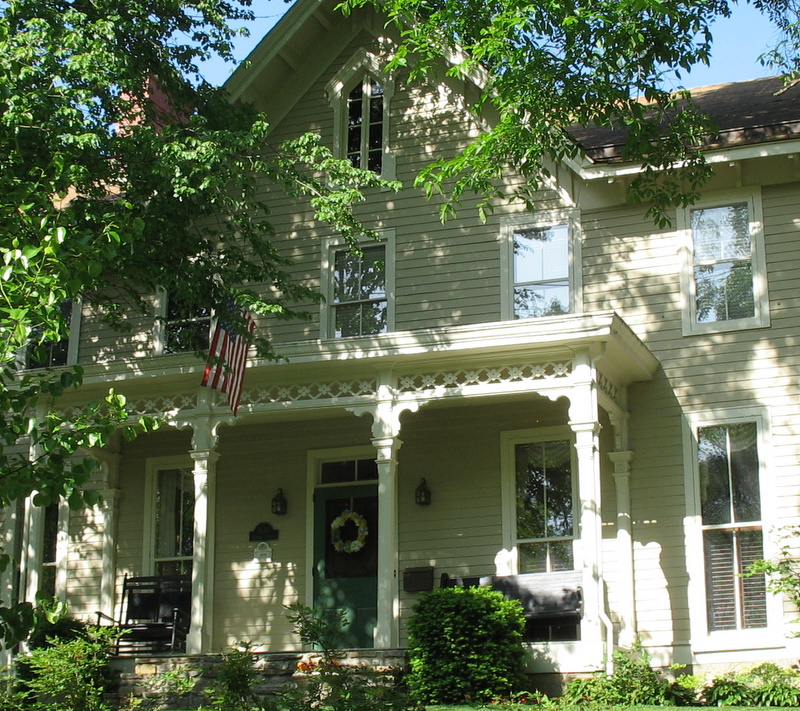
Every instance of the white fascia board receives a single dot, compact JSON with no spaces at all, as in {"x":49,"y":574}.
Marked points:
{"x":591,"y":171}
{"x":270,"y":46}
{"x":600,"y":332}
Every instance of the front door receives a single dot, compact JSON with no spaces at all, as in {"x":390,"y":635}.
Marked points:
{"x":346,"y":557}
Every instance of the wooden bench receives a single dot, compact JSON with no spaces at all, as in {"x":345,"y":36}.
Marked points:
{"x":550,"y":601}
{"x":155,"y":612}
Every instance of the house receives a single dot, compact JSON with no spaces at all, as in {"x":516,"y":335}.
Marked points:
{"x":570,"y":395}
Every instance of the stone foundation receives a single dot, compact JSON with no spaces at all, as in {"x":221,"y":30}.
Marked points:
{"x":148,"y":677}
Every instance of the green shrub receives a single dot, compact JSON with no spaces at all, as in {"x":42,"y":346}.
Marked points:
{"x":233,"y":688}
{"x":465,"y":644}
{"x":71,"y":675}
{"x":633,"y":683}
{"x":764,"y":685}
{"x":329,"y":684}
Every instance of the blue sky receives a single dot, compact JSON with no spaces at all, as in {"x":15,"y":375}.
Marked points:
{"x":738,"y":42}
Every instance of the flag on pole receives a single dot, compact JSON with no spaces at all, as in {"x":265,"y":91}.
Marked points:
{"x":227,"y":358}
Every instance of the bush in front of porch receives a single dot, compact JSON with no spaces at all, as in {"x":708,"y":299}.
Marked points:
{"x":465,"y":644}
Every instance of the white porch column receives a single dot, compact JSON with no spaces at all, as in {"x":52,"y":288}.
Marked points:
{"x":387,"y":627}
{"x":621,"y":458}
{"x":622,"y":482}
{"x":205,"y":457}
{"x":109,"y":507}
{"x":32,"y":540}
{"x":108,"y":576}
{"x":385,"y":438}
{"x":583,"y":413}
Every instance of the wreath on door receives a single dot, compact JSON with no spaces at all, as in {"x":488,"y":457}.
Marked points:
{"x":352,"y":545}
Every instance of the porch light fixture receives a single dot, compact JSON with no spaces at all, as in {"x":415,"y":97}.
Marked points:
{"x":279,"y":505}
{"x":422,"y":494}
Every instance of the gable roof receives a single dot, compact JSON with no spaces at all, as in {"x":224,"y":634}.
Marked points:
{"x":746,"y":113}
{"x":312,"y":34}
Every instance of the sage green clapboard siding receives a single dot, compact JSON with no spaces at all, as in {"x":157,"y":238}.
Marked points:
{"x":636,"y":270}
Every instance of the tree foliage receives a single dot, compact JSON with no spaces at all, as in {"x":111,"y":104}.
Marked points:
{"x":110,"y":191}
{"x":545,"y":66}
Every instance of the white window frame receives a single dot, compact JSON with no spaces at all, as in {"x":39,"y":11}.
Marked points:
{"x":332,"y":245}
{"x":361,"y":65}
{"x":541,"y":220}
{"x":73,"y":344}
{"x":703,"y":640}
{"x":152,"y":468}
{"x":760,"y":318}
{"x":160,"y":328}
{"x":508,"y":442}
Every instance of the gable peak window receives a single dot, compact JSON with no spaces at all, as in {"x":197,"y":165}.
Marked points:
{"x":365,"y":125}
{"x":360,"y":95}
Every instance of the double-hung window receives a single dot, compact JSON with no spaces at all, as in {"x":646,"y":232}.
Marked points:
{"x":724,"y":272}
{"x":540,"y":527}
{"x":731,"y":520}
{"x":540,"y":508}
{"x":49,"y":353}
{"x":182,"y":329}
{"x":727,"y":527}
{"x":540,"y":267}
{"x":358,"y":286}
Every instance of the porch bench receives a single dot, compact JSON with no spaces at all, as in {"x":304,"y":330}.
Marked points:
{"x":548,"y":600}
{"x":154,"y":614}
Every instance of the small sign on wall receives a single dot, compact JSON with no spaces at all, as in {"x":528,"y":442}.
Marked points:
{"x":263,"y":553}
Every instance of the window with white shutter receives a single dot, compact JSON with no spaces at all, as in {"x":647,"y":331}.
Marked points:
{"x":730,"y":498}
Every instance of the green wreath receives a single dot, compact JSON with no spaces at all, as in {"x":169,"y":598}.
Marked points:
{"x":357,"y":543}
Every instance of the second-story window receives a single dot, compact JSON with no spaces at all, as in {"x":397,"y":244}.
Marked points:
{"x":47,"y":353}
{"x":725,"y":272}
{"x":185,"y":329}
{"x":359,"y":303}
{"x":540,"y":265}
{"x":365,"y":125}
{"x":541,"y":271}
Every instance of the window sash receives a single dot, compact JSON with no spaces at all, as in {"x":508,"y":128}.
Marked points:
{"x":732,"y":532}
{"x":359,"y":303}
{"x":541,"y":268}
{"x":545,"y":502}
{"x":722,"y":263}
{"x":173,"y":521}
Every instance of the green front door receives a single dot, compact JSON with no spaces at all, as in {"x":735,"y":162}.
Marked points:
{"x":346,"y":558}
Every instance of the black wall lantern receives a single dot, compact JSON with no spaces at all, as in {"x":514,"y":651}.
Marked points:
{"x":422,"y":494}
{"x":279,"y":505}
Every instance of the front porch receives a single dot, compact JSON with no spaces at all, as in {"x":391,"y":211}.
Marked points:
{"x":446,"y":406}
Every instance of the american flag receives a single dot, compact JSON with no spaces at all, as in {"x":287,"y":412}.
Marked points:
{"x":227,"y":358}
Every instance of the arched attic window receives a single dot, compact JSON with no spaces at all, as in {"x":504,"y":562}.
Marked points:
{"x":359,"y":95}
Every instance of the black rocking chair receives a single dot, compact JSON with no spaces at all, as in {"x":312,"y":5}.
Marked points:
{"x":154,"y":615}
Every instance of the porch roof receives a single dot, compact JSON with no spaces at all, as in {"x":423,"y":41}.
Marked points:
{"x":328,"y":370}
